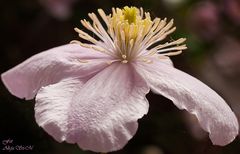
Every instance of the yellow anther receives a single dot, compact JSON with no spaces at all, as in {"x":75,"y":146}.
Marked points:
{"x":130,"y":14}
{"x":130,"y":21}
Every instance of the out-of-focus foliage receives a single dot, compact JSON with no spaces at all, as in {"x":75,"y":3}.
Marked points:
{"x":213,"y":38}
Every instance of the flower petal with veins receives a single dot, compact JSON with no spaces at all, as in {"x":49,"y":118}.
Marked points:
{"x":100,"y":115}
{"x":51,"y":66}
{"x":188,"y":93}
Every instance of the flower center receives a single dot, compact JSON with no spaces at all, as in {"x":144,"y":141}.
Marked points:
{"x":131,"y":35}
{"x":127,"y":24}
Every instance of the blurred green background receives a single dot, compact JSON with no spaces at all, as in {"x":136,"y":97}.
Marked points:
{"x":213,"y":38}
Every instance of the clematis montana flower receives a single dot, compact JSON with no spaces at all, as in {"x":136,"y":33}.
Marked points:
{"x":93,"y":93}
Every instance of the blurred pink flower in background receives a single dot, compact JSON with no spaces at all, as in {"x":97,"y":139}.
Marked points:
{"x":61,"y":9}
{"x":232,"y":9}
{"x":204,"y":20}
{"x":227,"y":57}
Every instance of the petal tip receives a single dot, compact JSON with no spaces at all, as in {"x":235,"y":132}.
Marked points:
{"x":10,"y":85}
{"x":226,"y":136}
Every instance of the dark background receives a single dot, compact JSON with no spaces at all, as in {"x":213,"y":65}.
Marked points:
{"x":212,"y":31}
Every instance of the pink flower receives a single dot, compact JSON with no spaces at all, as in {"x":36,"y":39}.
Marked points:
{"x":60,"y":9}
{"x":232,"y":9}
{"x":93,"y":93}
{"x":204,"y":20}
{"x":227,"y":59}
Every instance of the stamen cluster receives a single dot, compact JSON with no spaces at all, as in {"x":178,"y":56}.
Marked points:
{"x":131,"y":34}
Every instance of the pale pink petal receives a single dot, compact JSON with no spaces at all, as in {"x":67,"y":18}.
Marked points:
{"x":52,"y":105}
{"x":189,"y":93}
{"x":164,"y":59}
{"x":51,"y":66}
{"x":100,"y":115}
